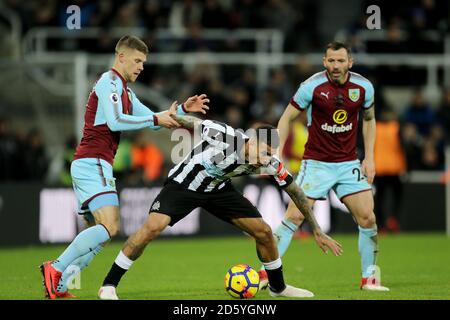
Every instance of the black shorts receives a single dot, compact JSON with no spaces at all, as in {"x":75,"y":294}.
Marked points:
{"x":177,"y":202}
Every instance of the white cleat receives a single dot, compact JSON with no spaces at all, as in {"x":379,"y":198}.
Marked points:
{"x":263,"y":279}
{"x":263,"y":284}
{"x":108,"y":293}
{"x":292,"y":292}
{"x":374,"y":287}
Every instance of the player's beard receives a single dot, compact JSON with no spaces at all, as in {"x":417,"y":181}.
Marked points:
{"x":342,"y":76}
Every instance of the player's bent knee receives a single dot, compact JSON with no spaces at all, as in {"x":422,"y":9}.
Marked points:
{"x":153,"y":227}
{"x":367,"y":221}
{"x":109,"y":217}
{"x":115,"y":229}
{"x":112,"y":227}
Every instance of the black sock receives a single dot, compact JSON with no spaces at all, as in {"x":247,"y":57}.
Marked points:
{"x":114,"y":275}
{"x":276,"y":280}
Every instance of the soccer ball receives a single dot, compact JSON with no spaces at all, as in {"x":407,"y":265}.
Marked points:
{"x":242,"y":282}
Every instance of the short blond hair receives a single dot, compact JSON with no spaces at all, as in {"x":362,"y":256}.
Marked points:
{"x":131,"y":42}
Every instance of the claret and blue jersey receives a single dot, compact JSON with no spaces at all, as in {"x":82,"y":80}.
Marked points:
{"x":330,"y":159}
{"x":332,"y":111}
{"x":112,"y":107}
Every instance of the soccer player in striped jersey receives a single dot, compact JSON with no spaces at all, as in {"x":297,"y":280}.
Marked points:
{"x":202,"y":179}
{"x":112,"y":107}
{"x":332,"y":99}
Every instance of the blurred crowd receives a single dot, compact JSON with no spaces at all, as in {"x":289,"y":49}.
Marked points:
{"x":236,"y":97}
{"x":193,"y":15}
{"x":416,"y":26}
{"x":409,"y":137}
{"x":23,"y":155}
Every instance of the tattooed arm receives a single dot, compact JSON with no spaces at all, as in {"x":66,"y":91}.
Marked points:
{"x":300,"y":200}
{"x":189,"y":122}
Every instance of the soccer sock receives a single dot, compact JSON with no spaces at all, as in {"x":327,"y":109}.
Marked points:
{"x":284,"y":234}
{"x":368,"y":249}
{"x":118,"y":269}
{"x":85,"y":242}
{"x":76,"y":267}
{"x":274,"y":271}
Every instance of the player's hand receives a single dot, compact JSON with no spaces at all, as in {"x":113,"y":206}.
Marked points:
{"x":368,"y":169}
{"x":173,"y":108}
{"x":327,"y":243}
{"x":197,"y":103}
{"x":165,"y":118}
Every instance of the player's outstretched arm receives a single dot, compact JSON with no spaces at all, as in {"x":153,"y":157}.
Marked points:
{"x":324,"y":241}
{"x":197,"y":103}
{"x":109,"y":101}
{"x":165,"y":118}
{"x":161,"y":119}
{"x":171,"y":117}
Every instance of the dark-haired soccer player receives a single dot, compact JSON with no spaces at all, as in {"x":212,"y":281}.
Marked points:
{"x":202,"y":179}
{"x":332,"y":100}
{"x":111,"y":108}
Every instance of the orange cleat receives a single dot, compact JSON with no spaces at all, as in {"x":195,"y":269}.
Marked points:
{"x":51,"y":279}
{"x":263,"y":279}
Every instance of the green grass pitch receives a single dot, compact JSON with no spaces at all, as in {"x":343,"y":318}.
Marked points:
{"x":414,"y":266}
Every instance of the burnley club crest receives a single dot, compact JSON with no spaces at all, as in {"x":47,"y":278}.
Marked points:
{"x":353,"y":94}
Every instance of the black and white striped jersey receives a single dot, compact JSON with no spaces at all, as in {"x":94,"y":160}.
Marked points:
{"x":215,"y":160}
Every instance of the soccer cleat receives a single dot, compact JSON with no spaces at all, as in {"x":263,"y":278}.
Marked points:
{"x":107,"y":293}
{"x":370,"y":284}
{"x":263,"y":279}
{"x":51,"y":279}
{"x":292,"y":292}
{"x":64,"y":295}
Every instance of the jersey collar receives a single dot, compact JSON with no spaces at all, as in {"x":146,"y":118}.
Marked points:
{"x":120,"y":76}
